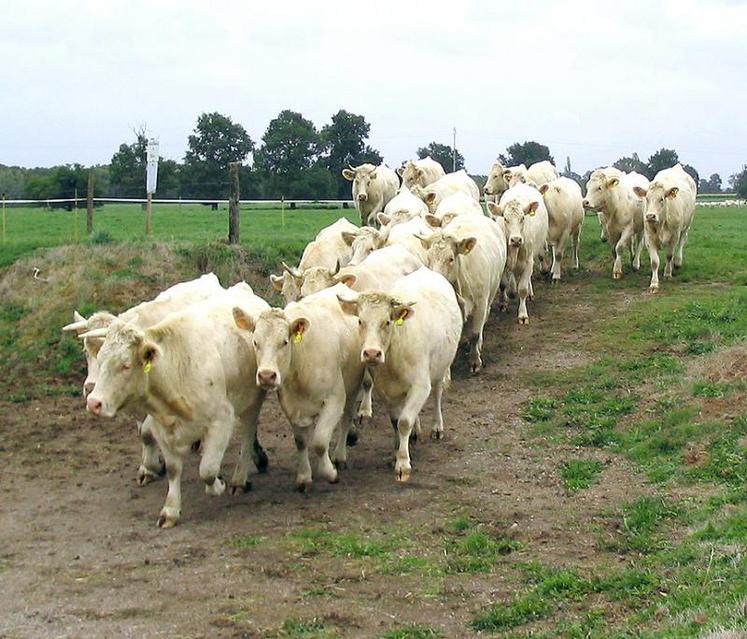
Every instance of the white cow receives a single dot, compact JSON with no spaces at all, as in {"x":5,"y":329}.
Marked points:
{"x":143,"y":315}
{"x":459,"y":203}
{"x":375,"y":273}
{"x":409,"y":337}
{"x":420,"y":172}
{"x":328,"y":249}
{"x":402,"y":207}
{"x":523,"y":215}
{"x":613,"y":192}
{"x":565,"y":211}
{"x":373,"y":187}
{"x":448,"y":184}
{"x":189,"y":372}
{"x":470,"y":252}
{"x":368,"y":239}
{"x":670,"y":207}
{"x":310,"y":353}
{"x":501,"y":178}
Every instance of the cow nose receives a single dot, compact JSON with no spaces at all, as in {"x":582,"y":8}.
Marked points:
{"x":651,"y":217}
{"x":372,"y":355}
{"x":362,"y":197}
{"x":88,"y":388}
{"x":267,"y":377}
{"x":516,"y":240}
{"x":94,"y":405}
{"x":586,"y":204}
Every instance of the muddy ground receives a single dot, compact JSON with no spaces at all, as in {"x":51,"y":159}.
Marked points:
{"x":80,"y":555}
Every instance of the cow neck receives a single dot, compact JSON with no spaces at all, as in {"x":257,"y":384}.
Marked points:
{"x":162,"y":396}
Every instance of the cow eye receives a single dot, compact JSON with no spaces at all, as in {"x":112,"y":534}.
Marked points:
{"x":451,"y":260}
{"x":285,"y":342}
{"x":254,"y":342}
{"x":126,"y":366}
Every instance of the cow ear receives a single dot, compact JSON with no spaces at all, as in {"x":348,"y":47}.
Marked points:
{"x":277,"y":282}
{"x":400,"y":171}
{"x":372,"y":175}
{"x":348,"y":174}
{"x":466,"y":245}
{"x":243,"y":320}
{"x":640,"y":191}
{"x":543,"y":188}
{"x":446,"y":218}
{"x":383,"y":219}
{"x":425,"y":241}
{"x":432,"y":220}
{"x":349,"y":237}
{"x":298,"y":327}
{"x":419,"y":173}
{"x":494,"y":209}
{"x":402,"y":312}
{"x":613,"y":182}
{"x":430,"y":198}
{"x":348,"y":279}
{"x":531,"y":208}
{"x":149,"y":353}
{"x":348,"y":306}
{"x":672,"y":192}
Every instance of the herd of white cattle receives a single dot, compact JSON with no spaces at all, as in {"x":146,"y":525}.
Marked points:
{"x":373,"y":308}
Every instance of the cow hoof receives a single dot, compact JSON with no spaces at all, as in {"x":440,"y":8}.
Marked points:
{"x":240,"y":489}
{"x":304,"y":486}
{"x":524,"y":321}
{"x":555,"y":280}
{"x":402,"y":475}
{"x":636,"y":268}
{"x":437,"y":434}
{"x":146,"y":476}
{"x":166,"y":520}
{"x":475,"y":367}
{"x":217,"y":488}
{"x":653,"y":288}
{"x":341,"y":465}
{"x":352,"y":438}
{"x":617,"y":276}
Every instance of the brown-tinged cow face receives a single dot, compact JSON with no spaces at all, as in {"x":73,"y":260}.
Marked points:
{"x":364,"y":242}
{"x":412,"y":175}
{"x":514,"y":214}
{"x":443,"y":253}
{"x":273,"y":336}
{"x":124,"y":362}
{"x":317,"y":278}
{"x":595,"y":191}
{"x":288,"y":284}
{"x":379,"y":315}
{"x":363,"y":178}
{"x":495,"y":184}
{"x":657,"y":197}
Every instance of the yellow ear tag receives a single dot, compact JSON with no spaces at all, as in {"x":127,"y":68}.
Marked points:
{"x":297,"y":339}
{"x":466,"y":251}
{"x":401,"y":319}
{"x":147,"y":367}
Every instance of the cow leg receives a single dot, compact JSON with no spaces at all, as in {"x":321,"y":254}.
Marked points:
{"x":214,"y":446}
{"x":438,"y":424}
{"x":416,"y":397}
{"x":172,"y":507}
{"x":152,"y":466}
{"x":557,"y":257}
{"x":638,"y":238}
{"x":546,"y":268}
{"x":679,"y":249}
{"x":653,"y":254}
{"x":329,"y":417}
{"x":340,"y":457}
{"x":576,"y":237}
{"x":365,"y":395}
{"x":249,"y":448}
{"x":617,"y":269}
{"x":478,"y":319}
{"x":668,"y":267}
{"x":303,"y":466}
{"x":525,"y":286}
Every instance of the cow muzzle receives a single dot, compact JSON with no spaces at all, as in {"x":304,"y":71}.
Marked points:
{"x":652,"y":217}
{"x":372,"y":356}
{"x":516,"y":240}
{"x":268,"y":379}
{"x":97,"y":407}
{"x":587,"y":204}
{"x":362,"y":197}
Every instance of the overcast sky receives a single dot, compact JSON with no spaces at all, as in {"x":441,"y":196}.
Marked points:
{"x":592,"y":80}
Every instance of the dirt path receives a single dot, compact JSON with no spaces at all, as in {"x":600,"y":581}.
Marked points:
{"x":80,"y":554}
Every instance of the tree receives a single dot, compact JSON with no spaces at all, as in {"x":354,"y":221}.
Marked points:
{"x":443,"y":154}
{"x":570,"y":173}
{"x":344,"y":143}
{"x":288,"y":159}
{"x":631,"y":163}
{"x":216,"y":142}
{"x":127,"y":168}
{"x":662,"y":159}
{"x":61,"y":182}
{"x":526,"y":153}
{"x":711,"y":185}
{"x":12,"y":179}
{"x":738,"y":182}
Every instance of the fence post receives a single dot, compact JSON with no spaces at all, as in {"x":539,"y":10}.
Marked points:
{"x":89,"y":204}
{"x":233,"y":203}
{"x":4,"y":238}
{"x":75,"y":215}
{"x":148,"y":211}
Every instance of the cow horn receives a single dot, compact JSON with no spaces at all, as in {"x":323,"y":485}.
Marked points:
{"x":96,"y":332}
{"x":76,"y":326}
{"x":337,"y":268}
{"x":293,"y":271}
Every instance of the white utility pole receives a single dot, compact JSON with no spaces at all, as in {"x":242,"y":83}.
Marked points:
{"x":453,"y":151}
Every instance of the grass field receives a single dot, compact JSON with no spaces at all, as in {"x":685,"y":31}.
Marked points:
{"x":592,"y":483}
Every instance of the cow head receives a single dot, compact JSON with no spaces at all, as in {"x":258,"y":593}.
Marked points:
{"x":125,"y":360}
{"x":288,"y":284}
{"x":412,"y":175}
{"x":317,"y":278}
{"x":515,"y":174}
{"x":443,"y":253}
{"x":514,"y":213}
{"x":273,"y":335}
{"x":363,"y":178}
{"x":364,"y":241}
{"x":91,"y":345}
{"x":379,"y":315}
{"x":496,"y":183}
{"x":657,"y":197}
{"x":596,"y":190}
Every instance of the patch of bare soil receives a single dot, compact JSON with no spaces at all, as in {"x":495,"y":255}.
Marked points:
{"x":80,"y":554}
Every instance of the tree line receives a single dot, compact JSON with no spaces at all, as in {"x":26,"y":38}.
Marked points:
{"x":294,"y":159}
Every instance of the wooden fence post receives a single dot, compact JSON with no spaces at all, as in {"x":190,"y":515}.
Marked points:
{"x":4,"y":237}
{"x":148,"y":212}
{"x":233,"y":203}
{"x":89,"y":204}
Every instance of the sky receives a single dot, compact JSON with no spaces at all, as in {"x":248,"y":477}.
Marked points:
{"x":592,"y":80}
